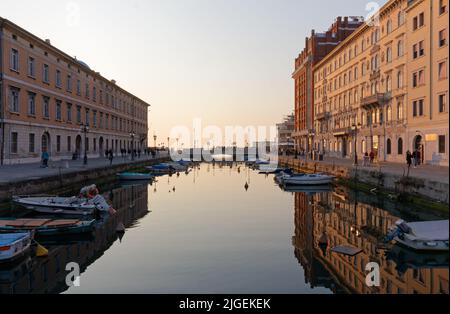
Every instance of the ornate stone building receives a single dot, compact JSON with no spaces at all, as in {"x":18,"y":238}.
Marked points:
{"x":48,"y":100}
{"x":384,"y":88}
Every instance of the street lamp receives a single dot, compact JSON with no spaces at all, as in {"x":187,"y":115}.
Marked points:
{"x":85,"y":129}
{"x":168,"y":143}
{"x":154,"y":139}
{"x":132,"y":135}
{"x":355,"y":127}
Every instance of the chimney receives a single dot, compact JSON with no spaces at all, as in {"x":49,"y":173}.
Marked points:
{"x":113,"y":81}
{"x":48,"y":41}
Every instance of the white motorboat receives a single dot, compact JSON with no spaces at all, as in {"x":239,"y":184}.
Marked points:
{"x":421,"y":236}
{"x":304,"y":179}
{"x":14,"y":245}
{"x":87,"y":203}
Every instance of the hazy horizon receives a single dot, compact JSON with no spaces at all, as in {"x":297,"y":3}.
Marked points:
{"x":227,"y":62}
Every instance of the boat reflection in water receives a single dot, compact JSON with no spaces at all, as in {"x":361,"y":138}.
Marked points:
{"x":325,"y":220}
{"x":48,"y":274}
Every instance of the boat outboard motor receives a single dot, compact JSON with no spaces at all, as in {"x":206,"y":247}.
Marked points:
{"x":403,"y":226}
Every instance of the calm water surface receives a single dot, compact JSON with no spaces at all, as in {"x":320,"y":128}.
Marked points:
{"x":232,"y":230}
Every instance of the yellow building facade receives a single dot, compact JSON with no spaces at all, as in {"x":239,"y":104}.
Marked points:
{"x":385,"y":88}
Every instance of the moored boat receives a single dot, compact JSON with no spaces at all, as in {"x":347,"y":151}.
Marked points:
{"x":421,"y":236}
{"x":14,"y":245}
{"x":133,"y":176}
{"x":86,"y":203}
{"x":304,"y":179}
{"x":46,"y":227}
{"x":162,"y":168}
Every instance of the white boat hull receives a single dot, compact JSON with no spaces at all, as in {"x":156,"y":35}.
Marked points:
{"x":56,"y":207}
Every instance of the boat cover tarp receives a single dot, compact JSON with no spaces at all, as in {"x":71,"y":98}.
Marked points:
{"x":430,"y":230}
{"x":8,"y":238}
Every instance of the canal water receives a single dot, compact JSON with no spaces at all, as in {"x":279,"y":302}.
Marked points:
{"x":222,"y":229}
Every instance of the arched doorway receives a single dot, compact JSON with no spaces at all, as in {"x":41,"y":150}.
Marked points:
{"x":78,"y":146}
{"x":45,"y":143}
{"x":419,"y":146}
{"x":100,"y":146}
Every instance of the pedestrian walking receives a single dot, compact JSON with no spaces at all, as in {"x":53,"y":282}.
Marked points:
{"x":372,"y":157}
{"x":111,"y":157}
{"x":409,"y":159}
{"x":45,"y":158}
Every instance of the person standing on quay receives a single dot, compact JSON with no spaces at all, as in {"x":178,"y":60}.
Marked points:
{"x":45,"y":158}
{"x":111,"y":157}
{"x":408,"y":159}
{"x":372,"y":157}
{"x":414,"y":158}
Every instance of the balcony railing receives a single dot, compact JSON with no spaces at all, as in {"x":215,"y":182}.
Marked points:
{"x":323,"y":116}
{"x":375,"y":100}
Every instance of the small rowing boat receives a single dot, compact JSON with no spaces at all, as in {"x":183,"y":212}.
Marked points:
{"x":46,"y":227}
{"x":14,"y":245}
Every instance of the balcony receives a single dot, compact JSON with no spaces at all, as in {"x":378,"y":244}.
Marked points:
{"x":323,"y":116}
{"x":374,"y":101}
{"x":375,"y":49}
{"x":342,"y":132}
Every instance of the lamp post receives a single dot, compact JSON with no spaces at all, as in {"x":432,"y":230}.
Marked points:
{"x":154,"y":140}
{"x":85,"y":130}
{"x":132,"y":135}
{"x":355,"y":127}
{"x":168,"y":143}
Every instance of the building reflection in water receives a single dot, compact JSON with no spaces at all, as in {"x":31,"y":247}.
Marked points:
{"x":48,"y":275}
{"x":327,"y":219}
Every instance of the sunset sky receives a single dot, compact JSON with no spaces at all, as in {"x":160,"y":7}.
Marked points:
{"x":228,"y":62}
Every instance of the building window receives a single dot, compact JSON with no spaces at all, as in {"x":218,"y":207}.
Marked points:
{"x":94,"y":94}
{"x":14,"y":99}
{"x":389,"y":55}
{"x":31,"y":142}
{"x":69,"y":143}
{"x":400,"y":146}
{"x":14,"y":142}
{"x":58,"y":78}
{"x":442,"y":38}
{"x":87,"y":117}
{"x":389,"y":26}
{"x":58,"y":143}
{"x":78,"y":87}
{"x":388,"y":84}
{"x":45,"y":73}
{"x":442,"y":68}
{"x":14,"y":61}
{"x":87,"y":91}
{"x":94,"y":118}
{"x":400,"y":18}
{"x":400,"y":48}
{"x":418,"y":50}
{"x":69,"y":112}
{"x":442,"y":102}
{"x":418,"y":108}
{"x":58,"y":110}
{"x":418,"y":78}
{"x":31,"y":68}
{"x":442,"y":7}
{"x":419,"y":21}
{"x":31,"y":104}
{"x":442,"y":144}
{"x":400,"y":111}
{"x":46,"y":107}
{"x":78,"y":114}
{"x":69,"y":83}
{"x":388,"y":146}
{"x":389,"y":114}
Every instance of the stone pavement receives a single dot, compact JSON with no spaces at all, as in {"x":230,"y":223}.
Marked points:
{"x":433,"y":173}
{"x":32,"y":171}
